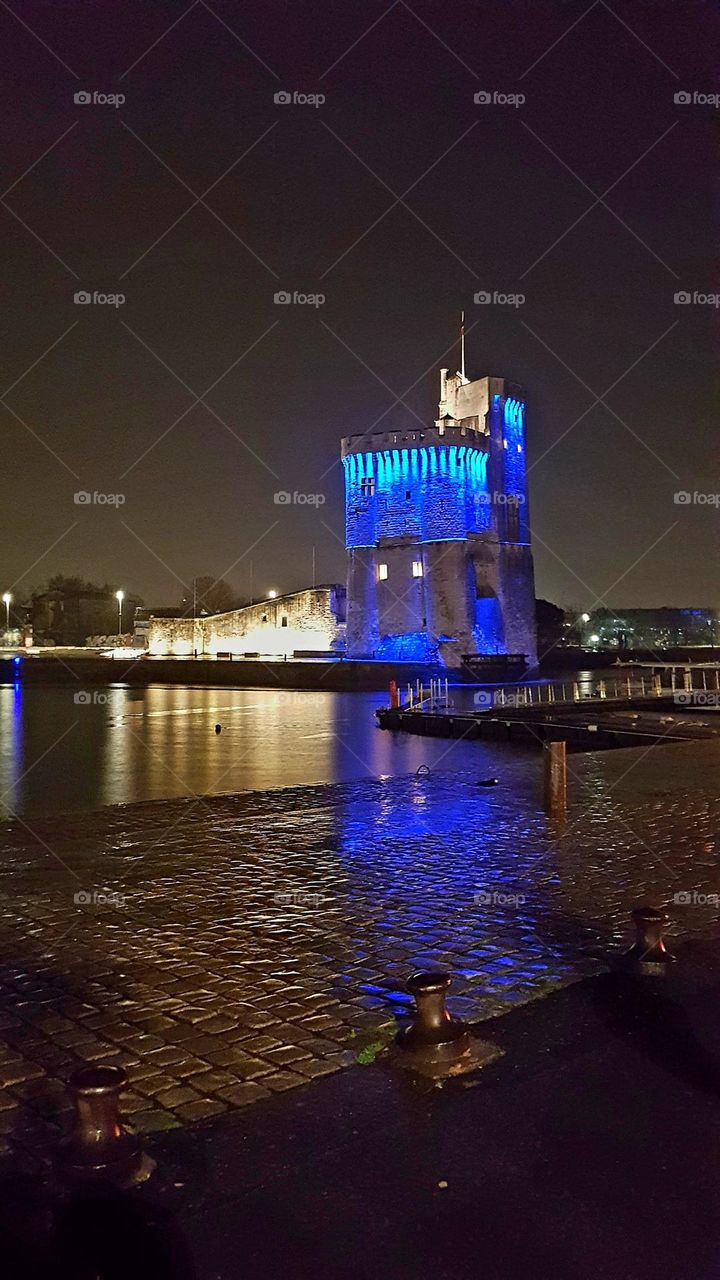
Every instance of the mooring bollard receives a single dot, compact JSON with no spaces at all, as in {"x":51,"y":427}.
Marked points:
{"x":555,"y":776}
{"x":100,"y":1149}
{"x":437,"y":1044}
{"x":648,"y":957}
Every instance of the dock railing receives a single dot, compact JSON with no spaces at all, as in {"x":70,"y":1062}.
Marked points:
{"x":689,"y":686}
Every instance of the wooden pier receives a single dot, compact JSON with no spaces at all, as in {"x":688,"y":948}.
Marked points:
{"x":625,"y":711}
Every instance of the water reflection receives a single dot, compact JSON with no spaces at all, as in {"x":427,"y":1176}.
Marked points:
{"x":11,"y":743}
{"x":61,"y":750}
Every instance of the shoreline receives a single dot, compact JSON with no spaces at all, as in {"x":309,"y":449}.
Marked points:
{"x":344,"y":675}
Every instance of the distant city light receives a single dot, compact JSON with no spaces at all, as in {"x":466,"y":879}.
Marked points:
{"x":584,"y":617}
{"x":594,"y":639}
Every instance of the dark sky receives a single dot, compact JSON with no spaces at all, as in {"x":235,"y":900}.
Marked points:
{"x":310,"y":198}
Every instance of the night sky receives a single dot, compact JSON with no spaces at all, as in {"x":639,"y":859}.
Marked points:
{"x":398,"y":199}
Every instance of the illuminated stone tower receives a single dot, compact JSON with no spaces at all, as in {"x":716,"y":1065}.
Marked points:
{"x":437,"y":533}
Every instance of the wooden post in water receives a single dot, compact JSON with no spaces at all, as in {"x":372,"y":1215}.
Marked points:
{"x":555,"y":777}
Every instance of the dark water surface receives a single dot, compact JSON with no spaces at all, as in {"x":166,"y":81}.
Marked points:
{"x":122,"y":745}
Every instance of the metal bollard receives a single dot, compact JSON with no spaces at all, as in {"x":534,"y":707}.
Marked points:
{"x":437,"y":1044}
{"x":648,"y":957}
{"x":100,"y":1149}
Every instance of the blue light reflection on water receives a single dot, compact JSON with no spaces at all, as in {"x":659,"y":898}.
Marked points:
{"x":464,"y":871}
{"x":11,"y":743}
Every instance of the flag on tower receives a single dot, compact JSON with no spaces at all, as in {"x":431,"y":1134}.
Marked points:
{"x":462,"y":346}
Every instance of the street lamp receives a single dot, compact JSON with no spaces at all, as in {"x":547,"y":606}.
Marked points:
{"x":7,"y":600}
{"x":584,"y":617}
{"x":120,"y":596}
{"x":272,"y":595}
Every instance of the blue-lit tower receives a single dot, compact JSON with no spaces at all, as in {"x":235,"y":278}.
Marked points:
{"x":437,"y":533}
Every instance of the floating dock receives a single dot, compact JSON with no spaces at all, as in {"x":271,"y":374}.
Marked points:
{"x":627,"y":712}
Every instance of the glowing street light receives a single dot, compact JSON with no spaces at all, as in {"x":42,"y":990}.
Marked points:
{"x":272,"y":595}
{"x":120,"y":596}
{"x":7,"y":600}
{"x":584,"y":617}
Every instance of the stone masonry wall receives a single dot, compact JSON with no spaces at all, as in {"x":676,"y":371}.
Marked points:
{"x":312,"y":621}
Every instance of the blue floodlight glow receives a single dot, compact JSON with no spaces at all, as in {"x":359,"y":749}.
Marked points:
{"x":515,"y":475}
{"x":17,"y":660}
{"x":434,"y":493}
{"x":488,"y":631}
{"x":410,"y":646}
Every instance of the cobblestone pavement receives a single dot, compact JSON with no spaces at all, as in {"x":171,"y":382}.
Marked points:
{"x":225,"y":949}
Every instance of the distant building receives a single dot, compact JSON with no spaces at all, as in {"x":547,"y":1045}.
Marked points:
{"x":663,"y":628}
{"x":68,"y":616}
{"x":437,"y":531}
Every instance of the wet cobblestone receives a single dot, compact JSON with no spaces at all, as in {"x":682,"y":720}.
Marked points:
{"x":240,"y":946}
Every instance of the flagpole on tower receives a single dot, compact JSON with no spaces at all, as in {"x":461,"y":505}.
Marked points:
{"x":462,"y":346}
